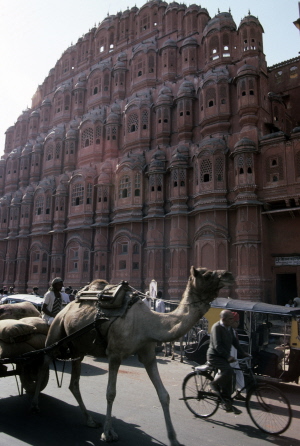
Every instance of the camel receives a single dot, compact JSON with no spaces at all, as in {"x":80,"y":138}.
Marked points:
{"x":136,"y":333}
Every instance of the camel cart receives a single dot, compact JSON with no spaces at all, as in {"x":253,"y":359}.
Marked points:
{"x":270,"y":333}
{"x":27,"y":365}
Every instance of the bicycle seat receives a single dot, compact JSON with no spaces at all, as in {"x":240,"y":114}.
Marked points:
{"x":207,"y":367}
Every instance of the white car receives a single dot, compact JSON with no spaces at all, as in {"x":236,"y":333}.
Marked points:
{"x":15,"y":298}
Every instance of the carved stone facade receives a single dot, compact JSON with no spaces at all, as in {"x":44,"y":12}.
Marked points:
{"x":160,"y":140}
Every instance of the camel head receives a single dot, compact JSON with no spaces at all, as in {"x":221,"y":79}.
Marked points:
{"x":208,"y":283}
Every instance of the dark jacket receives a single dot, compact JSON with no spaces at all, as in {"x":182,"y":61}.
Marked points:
{"x":221,"y":340}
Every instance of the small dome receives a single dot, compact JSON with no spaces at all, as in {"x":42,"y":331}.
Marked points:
{"x":220,"y":21}
{"x":250,"y":19}
{"x":17,"y":198}
{"x":187,"y":88}
{"x":169,"y":42}
{"x":61,"y":188}
{"x":190,"y":41}
{"x":35,"y":113}
{"x":46,"y":102}
{"x":247,"y":69}
{"x":27,"y":149}
{"x":245,"y":145}
{"x":113,"y":118}
{"x":103,"y":178}
{"x":71,"y":133}
{"x":10,"y":129}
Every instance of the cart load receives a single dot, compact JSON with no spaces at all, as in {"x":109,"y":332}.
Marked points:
{"x":18,"y":311}
{"x":22,"y":336}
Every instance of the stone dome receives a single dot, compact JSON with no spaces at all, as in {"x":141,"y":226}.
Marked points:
{"x":169,"y":42}
{"x":220,"y":21}
{"x":245,"y":145}
{"x":46,"y":102}
{"x":187,"y":88}
{"x":247,"y":69}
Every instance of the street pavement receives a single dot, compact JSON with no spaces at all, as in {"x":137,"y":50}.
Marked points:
{"x":138,"y":417}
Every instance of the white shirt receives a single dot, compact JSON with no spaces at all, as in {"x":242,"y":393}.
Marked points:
{"x":160,"y":306}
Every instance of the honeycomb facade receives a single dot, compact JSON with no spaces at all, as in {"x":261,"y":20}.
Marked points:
{"x":160,"y":140}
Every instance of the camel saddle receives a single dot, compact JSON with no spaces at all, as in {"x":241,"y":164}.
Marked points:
{"x":111,"y":297}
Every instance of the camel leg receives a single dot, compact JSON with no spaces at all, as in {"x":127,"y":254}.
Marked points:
{"x":74,"y":388}
{"x":149,"y":361}
{"x":109,"y":434}
{"x":172,"y":346}
{"x":42,"y":370}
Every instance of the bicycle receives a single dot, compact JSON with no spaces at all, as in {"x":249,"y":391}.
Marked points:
{"x":267,"y":406}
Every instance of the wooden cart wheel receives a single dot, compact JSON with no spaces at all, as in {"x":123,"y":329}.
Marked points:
{"x":29,"y":376}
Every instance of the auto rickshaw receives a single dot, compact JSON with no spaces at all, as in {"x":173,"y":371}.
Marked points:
{"x":270,"y":333}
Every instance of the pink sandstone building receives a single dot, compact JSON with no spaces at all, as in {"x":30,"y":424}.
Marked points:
{"x":160,"y":140}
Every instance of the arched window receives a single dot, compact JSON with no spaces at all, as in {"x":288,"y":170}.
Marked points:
{"x":77,"y":194}
{"x":125,"y":187}
{"x":137,"y":185}
{"x":87,"y":137}
{"x":49,"y":152}
{"x":205,"y":171}
{"x":219,"y":169}
{"x":133,"y":123}
{"x":39,"y":205}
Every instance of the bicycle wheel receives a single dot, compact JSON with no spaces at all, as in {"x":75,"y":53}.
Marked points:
{"x":197,"y":395}
{"x":269,"y":409}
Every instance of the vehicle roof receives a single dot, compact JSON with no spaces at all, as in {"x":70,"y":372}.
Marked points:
{"x":256,"y":307}
{"x":25,"y":297}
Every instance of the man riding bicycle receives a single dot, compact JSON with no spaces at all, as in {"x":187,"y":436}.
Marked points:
{"x":222,"y":338}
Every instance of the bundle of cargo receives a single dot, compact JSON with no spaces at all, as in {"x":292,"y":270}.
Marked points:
{"x":18,"y":311}
{"x":22,"y":336}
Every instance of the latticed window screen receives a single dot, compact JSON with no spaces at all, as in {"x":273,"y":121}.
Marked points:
{"x":137,"y":184}
{"x":175,"y":178}
{"x":133,"y":123}
{"x":72,"y":147}
{"x":77,"y":194}
{"x":152,"y":182}
{"x":125,"y":187}
{"x":57,"y":150}
{"x":87,"y":137}
{"x":89,"y":193}
{"x":39,"y":205}
{"x":98,"y":132}
{"x":182,"y":176}
{"x":49,"y":152}
{"x":196,"y":175}
{"x":210,"y":97}
{"x":205,"y":170}
{"x":159,"y":182}
{"x":219,"y":169}
{"x":114,"y":133}
{"x":297,"y":164}
{"x":145,"y":117}
{"x":240,"y":164}
{"x":48,"y":204}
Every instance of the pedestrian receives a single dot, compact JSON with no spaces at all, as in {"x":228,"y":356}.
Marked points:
{"x":239,"y":376}
{"x":52,"y":301}
{"x":65,"y":296}
{"x":160,"y":305}
{"x":11,"y":290}
{"x":147,"y":299}
{"x":35,"y":291}
{"x":290,"y":303}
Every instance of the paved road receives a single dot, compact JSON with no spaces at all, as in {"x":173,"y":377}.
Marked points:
{"x":137,"y":412}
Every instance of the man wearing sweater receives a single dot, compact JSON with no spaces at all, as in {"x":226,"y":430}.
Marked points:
{"x":221,"y":339}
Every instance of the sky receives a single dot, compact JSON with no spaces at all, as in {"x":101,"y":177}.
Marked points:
{"x":35,"y":33}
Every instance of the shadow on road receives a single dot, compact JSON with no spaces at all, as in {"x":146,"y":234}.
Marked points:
{"x":61,"y":424}
{"x":253,"y":432}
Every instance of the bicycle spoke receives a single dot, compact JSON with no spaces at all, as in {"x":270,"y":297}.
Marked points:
{"x":197,"y":397}
{"x":269,"y":409}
